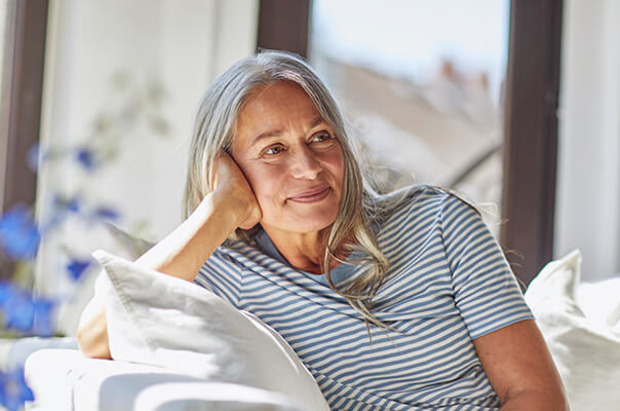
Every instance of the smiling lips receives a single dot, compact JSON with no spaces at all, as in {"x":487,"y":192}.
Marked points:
{"x":311,"y":196}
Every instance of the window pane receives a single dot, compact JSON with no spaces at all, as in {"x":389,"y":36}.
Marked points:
{"x":421,"y":83}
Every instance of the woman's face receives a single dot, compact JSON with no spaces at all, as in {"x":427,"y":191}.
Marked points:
{"x":291,"y":158}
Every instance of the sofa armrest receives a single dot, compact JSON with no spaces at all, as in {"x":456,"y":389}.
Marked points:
{"x":63,"y":379}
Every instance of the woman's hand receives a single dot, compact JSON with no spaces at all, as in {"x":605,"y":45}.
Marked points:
{"x":229,"y":180}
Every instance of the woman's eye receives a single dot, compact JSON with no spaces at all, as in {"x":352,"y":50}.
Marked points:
{"x":321,"y":137}
{"x":271,"y":151}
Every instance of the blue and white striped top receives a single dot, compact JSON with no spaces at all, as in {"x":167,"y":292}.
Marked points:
{"x":448,"y":284}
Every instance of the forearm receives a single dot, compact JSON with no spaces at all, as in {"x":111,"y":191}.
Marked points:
{"x":536,"y":400}
{"x":182,"y":252}
{"x":521,"y":369}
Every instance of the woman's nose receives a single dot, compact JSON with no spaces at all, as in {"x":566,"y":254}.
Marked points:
{"x":305,"y":165}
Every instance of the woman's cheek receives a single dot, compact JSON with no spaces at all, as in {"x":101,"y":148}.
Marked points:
{"x":265,"y":183}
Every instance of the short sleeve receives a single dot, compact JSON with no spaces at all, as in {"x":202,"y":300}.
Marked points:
{"x":486,"y":291}
{"x":222,"y":275}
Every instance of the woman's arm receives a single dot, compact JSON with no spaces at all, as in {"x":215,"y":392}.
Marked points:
{"x":520,"y":368}
{"x":181,"y":254}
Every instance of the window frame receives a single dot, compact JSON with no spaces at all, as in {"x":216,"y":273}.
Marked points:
{"x":531,"y":134}
{"x":22,"y":93}
{"x":284,"y":25}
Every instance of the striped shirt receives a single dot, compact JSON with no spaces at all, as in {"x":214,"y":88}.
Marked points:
{"x":448,"y":284}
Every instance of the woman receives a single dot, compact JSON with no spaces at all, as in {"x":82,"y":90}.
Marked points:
{"x":400,"y":301}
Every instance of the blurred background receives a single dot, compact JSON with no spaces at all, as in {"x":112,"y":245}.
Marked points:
{"x":421,"y":84}
{"x":513,"y":104}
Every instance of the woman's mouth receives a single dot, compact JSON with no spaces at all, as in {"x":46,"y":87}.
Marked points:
{"x":311,"y":196}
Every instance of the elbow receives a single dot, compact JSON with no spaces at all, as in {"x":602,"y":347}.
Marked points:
{"x":536,"y":399}
{"x":83,"y":343}
{"x":558,"y":402}
{"x":91,"y":346}
{"x":562,"y":400}
{"x":92,"y":338}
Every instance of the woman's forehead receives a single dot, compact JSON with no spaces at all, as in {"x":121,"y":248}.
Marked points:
{"x":274,"y":108}
{"x":275,"y":94}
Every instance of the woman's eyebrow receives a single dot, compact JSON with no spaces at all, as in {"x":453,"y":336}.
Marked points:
{"x":316,"y":122}
{"x":264,"y":135}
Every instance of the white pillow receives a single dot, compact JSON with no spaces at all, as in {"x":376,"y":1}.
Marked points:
{"x":160,"y":320}
{"x":131,"y":245}
{"x":586,"y":350}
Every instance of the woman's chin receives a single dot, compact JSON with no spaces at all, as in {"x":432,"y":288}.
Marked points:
{"x":307,"y":223}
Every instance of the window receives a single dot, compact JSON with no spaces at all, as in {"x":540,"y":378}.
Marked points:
{"x":422,"y":84}
{"x":530,"y":116}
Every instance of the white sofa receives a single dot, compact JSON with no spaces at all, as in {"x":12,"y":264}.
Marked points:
{"x":580,"y":321}
{"x":63,"y":379}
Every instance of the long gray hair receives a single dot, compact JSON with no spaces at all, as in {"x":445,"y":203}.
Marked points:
{"x":215,"y":130}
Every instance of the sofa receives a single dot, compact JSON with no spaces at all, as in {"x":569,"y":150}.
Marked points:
{"x":580,"y":322}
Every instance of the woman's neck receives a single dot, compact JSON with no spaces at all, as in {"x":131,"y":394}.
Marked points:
{"x":304,"y":251}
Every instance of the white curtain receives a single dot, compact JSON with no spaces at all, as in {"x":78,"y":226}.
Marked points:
{"x":588,"y":196}
{"x":102,"y":58}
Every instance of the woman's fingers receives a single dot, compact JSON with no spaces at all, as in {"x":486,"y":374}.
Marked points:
{"x":228,"y":177}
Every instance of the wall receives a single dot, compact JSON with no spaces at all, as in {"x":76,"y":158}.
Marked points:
{"x":588,"y":196}
{"x":181,"y":44}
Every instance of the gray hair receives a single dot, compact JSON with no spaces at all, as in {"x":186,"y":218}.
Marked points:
{"x":215,"y":130}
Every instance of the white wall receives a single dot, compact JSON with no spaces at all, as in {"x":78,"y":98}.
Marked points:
{"x":183,"y":44}
{"x":588,"y":196}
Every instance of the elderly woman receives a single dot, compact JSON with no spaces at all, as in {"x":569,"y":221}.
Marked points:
{"x":397,"y":301}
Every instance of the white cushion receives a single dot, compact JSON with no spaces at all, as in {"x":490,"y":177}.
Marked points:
{"x":600,"y":302}
{"x":164,"y":321}
{"x":586,"y":350}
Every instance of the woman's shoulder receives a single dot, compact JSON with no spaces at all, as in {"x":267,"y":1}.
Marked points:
{"x":247,"y":251}
{"x":410,"y":195}
{"x":236,"y":249}
{"x":420,"y":200}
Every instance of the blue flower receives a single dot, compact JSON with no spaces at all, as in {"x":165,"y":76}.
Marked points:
{"x":6,"y":291}
{"x":14,"y":391}
{"x":106,"y":213}
{"x":86,"y":157}
{"x":25,"y":313}
{"x":71,"y":205}
{"x":77,"y":268}
{"x":19,"y":235}
{"x":62,"y":208}
{"x":43,"y":324}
